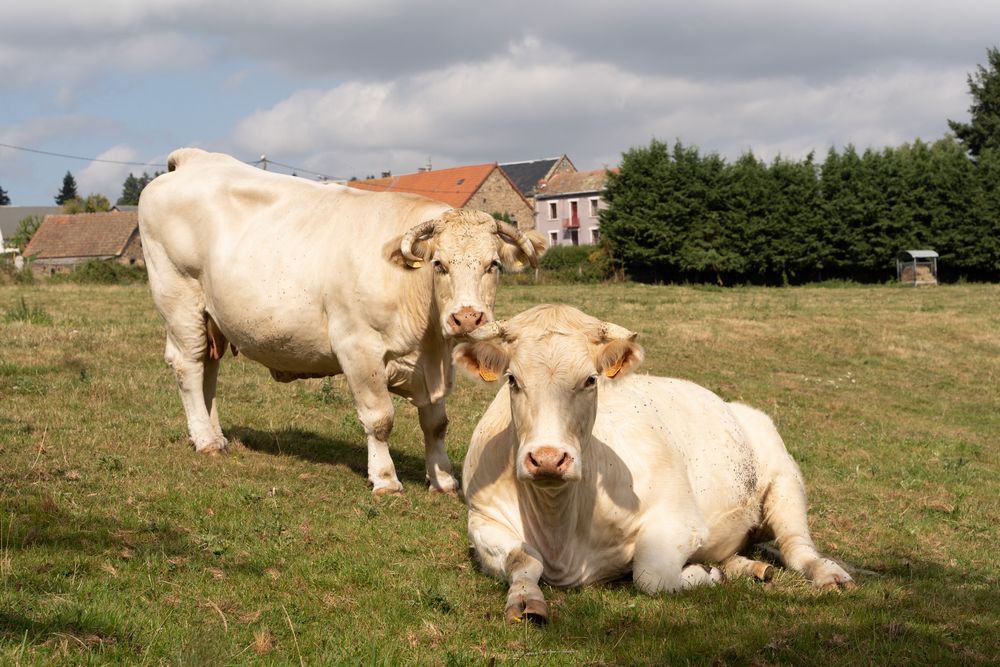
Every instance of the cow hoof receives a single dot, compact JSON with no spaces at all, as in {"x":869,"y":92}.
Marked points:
{"x":213,"y":447}
{"x":827,"y":575}
{"x":839,"y":585}
{"x":766,"y":573}
{"x":532,"y":611}
{"x":388,"y":490}
{"x":444,"y":484}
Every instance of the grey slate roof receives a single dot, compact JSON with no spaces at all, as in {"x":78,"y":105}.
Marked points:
{"x":526,"y":175}
{"x":11,"y":217}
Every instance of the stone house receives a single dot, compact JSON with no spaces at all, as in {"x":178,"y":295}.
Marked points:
{"x":567,"y":206}
{"x":528,"y":174}
{"x":63,"y":241}
{"x":482,"y":187}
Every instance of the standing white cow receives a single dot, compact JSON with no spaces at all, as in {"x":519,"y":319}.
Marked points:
{"x":315,"y":280}
{"x":579,"y":473}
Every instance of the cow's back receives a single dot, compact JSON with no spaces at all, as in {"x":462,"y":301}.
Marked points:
{"x":272,"y":256}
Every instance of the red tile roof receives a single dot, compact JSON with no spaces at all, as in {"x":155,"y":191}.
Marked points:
{"x":83,"y":235}
{"x":452,"y":186}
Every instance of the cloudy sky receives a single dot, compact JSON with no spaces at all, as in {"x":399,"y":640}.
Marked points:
{"x":354,"y":88}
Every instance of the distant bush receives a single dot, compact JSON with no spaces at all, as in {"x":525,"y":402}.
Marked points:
{"x":577,"y":264}
{"x":103,"y":272}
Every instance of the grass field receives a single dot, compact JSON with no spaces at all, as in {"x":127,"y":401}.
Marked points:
{"x":118,"y":544}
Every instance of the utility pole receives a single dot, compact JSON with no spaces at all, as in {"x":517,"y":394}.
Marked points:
{"x":263,"y":162}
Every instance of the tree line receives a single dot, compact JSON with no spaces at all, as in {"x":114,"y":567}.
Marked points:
{"x":675,"y":214}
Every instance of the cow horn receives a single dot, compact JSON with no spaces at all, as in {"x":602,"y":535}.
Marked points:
{"x":410,"y":237}
{"x":612,"y":331}
{"x":523,"y":242}
{"x":489,"y":331}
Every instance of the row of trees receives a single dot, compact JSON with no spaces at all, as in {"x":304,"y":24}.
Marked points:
{"x":675,"y":214}
{"x":131,"y":189}
{"x":67,"y":195}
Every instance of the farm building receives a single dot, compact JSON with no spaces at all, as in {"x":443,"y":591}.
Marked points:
{"x":481,"y":187}
{"x":567,"y":206}
{"x":63,"y":241}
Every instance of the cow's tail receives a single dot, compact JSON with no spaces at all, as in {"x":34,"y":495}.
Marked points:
{"x":180,"y":156}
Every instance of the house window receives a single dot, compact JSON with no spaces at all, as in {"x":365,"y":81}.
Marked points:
{"x":553,"y":238}
{"x":593,"y":207}
{"x":574,"y":237}
{"x":595,"y":235}
{"x":553,"y":210}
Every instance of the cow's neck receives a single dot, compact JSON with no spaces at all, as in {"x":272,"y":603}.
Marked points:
{"x":552,"y":517}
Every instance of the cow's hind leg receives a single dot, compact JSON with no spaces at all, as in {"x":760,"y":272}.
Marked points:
{"x":434,"y":424}
{"x":785,"y":516}
{"x":661,"y":562}
{"x":196,"y":374}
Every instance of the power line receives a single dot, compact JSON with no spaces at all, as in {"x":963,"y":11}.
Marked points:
{"x":157,"y":164}
{"x":86,"y":159}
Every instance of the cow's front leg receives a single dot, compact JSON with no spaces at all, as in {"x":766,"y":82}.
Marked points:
{"x":367,"y":379}
{"x":503,"y":554}
{"x":434,"y":424}
{"x":661,"y":558}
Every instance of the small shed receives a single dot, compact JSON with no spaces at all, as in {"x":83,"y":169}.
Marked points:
{"x":917,"y":267}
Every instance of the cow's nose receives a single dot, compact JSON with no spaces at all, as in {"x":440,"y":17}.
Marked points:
{"x":548,"y":462}
{"x":466,"y":319}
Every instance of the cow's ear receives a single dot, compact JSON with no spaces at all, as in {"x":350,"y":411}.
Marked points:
{"x":482,"y":360}
{"x":512,"y":255}
{"x":619,"y":357}
{"x":422,"y":248}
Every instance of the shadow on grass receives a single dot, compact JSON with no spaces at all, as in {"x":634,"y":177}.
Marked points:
{"x":316,"y":448}
{"x":914,"y":612}
{"x":78,"y":628}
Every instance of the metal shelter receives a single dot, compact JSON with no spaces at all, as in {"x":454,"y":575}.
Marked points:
{"x":917,"y":267}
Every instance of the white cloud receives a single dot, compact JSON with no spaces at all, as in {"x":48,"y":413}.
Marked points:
{"x":106,"y":178}
{"x":535,"y":101}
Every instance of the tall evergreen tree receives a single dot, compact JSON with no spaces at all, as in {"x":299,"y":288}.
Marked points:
{"x":983,"y":130}
{"x":4,"y":199}
{"x":639,"y":197}
{"x":132,"y":188}
{"x":985,"y":254}
{"x":68,"y":190}
{"x":746,"y":191}
{"x":798,"y":250}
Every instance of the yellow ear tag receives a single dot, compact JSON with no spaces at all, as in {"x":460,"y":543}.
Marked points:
{"x":487,"y":374}
{"x":414,"y":265}
{"x":612,"y":371}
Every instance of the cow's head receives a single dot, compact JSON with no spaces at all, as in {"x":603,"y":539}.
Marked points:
{"x":554,"y":359}
{"x":466,"y":251}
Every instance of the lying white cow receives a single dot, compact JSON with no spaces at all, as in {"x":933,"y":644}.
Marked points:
{"x":314,"y":280}
{"x":579,"y":473}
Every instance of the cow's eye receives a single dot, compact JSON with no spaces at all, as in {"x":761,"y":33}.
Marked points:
{"x":494,"y":266}
{"x":512,"y":383}
{"x":440,"y":267}
{"x":590,"y":382}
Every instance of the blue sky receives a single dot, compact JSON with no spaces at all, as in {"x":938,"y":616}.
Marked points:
{"x":349,"y":89}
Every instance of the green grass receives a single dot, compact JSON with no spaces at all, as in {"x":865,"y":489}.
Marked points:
{"x":120,"y":545}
